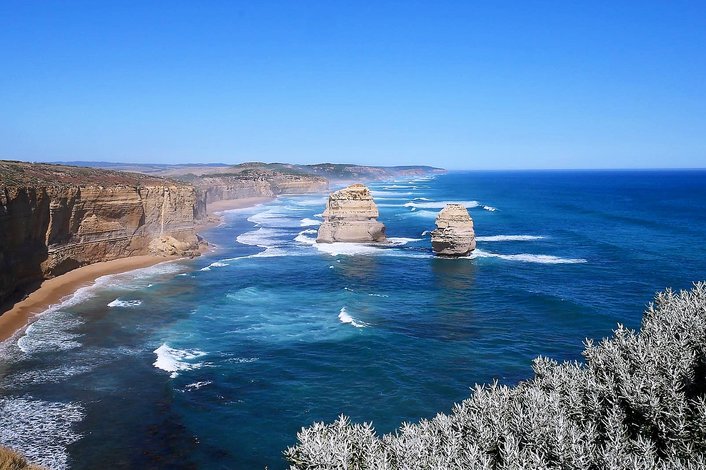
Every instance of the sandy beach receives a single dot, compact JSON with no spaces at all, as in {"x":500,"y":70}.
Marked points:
{"x":53,"y":290}
{"x":229,"y":204}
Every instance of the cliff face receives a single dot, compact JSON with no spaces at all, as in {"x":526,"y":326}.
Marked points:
{"x":351,"y":216}
{"x":54,"y":219}
{"x":260,"y":183}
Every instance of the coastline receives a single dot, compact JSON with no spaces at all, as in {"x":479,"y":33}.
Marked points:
{"x":230,"y":204}
{"x":52,"y":291}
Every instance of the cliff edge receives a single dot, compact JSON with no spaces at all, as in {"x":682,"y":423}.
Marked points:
{"x":55,"y":218}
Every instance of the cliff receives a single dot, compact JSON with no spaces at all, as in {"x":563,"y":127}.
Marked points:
{"x":55,"y":218}
{"x":252,"y":183}
{"x":351,"y":216}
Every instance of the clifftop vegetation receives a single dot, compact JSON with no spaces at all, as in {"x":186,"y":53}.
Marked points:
{"x":638,"y":402}
{"x":10,"y":460}
{"x":24,"y":174}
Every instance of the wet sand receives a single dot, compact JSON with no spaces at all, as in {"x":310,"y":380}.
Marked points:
{"x":53,"y":290}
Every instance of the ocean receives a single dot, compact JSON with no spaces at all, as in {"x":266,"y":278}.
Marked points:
{"x":218,"y":362}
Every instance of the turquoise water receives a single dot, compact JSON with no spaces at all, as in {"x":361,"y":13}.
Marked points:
{"x":219,"y":361}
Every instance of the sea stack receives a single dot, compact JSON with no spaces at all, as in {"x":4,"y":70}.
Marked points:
{"x":454,"y":235}
{"x":351,"y":216}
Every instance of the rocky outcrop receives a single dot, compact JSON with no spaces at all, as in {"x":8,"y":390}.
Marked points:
{"x":55,"y":218}
{"x":454,"y":235}
{"x":351,"y":216}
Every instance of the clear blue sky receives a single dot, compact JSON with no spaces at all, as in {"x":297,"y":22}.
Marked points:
{"x":477,"y":85}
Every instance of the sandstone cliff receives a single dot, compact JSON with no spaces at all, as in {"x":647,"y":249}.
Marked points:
{"x":55,"y":218}
{"x":351,"y":216}
{"x":454,"y":235}
{"x":253,"y":183}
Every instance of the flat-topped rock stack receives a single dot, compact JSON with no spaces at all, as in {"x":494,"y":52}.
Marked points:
{"x":454,"y":235}
{"x":351,"y":216}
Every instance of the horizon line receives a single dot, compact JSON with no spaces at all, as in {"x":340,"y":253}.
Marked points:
{"x":78,"y":162}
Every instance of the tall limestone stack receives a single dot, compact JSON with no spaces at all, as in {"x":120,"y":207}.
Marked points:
{"x":454,"y":235}
{"x":351,"y":216}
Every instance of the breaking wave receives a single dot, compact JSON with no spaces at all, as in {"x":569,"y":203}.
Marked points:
{"x":309,"y":222}
{"x":344,"y":317}
{"x":125,"y":303}
{"x":176,"y":360}
{"x":509,"y":238}
{"x":440,"y":204}
{"x":528,"y":258}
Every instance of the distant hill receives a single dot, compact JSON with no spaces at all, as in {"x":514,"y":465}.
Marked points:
{"x":330,"y":171}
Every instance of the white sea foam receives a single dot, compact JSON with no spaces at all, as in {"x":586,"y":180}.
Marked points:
{"x":309,"y":222}
{"x":263,"y":237}
{"x":175,"y":360}
{"x":242,"y":360}
{"x":40,"y":430}
{"x":426,"y":232}
{"x":217,"y":264}
{"x":528,"y":258}
{"x":302,"y":237}
{"x":347,"y":249}
{"x":50,"y":333}
{"x":345,"y":317}
{"x":125,"y":303}
{"x":40,"y":375}
{"x":509,"y":238}
{"x":275,"y":217}
{"x":197,"y":385}
{"x":398,"y":241}
{"x":440,"y":204}
{"x":307,"y":202}
{"x":423,"y":213}
{"x":490,"y":208}
{"x":390,"y":193}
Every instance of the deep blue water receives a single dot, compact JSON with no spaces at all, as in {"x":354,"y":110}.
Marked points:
{"x":219,"y":361}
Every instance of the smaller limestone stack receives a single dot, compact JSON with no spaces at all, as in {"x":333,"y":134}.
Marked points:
{"x":351,"y":216}
{"x":454,"y":235}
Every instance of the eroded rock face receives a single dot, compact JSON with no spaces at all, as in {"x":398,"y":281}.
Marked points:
{"x":212,"y":188}
{"x":47,"y":230}
{"x":351,"y":216}
{"x":454,"y":235}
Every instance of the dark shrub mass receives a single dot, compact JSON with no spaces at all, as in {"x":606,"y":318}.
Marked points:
{"x":637,"y":402}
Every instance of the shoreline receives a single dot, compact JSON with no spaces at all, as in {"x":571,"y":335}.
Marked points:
{"x":242,"y":203}
{"x":52,"y":291}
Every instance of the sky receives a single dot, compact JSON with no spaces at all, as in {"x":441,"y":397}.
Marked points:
{"x":461,"y":85}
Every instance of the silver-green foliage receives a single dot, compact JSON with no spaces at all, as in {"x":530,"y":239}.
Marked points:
{"x":638,"y":402}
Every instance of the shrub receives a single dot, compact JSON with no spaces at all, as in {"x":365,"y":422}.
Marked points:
{"x":638,"y":401}
{"x":10,"y":460}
